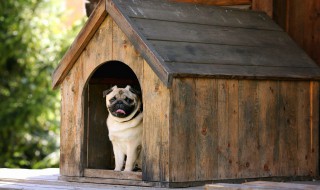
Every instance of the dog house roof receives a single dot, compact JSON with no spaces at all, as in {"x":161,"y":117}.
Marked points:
{"x":188,"y":40}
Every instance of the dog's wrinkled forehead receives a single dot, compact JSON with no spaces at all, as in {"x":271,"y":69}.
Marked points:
{"x":119,"y":92}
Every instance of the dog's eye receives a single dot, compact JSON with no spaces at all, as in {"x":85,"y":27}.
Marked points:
{"x":128,"y":100}
{"x":112,"y":99}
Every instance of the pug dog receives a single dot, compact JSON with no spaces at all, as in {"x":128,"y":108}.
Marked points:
{"x":125,"y":125}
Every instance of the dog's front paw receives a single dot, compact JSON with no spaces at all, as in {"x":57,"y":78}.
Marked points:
{"x":117,"y":170}
{"x":128,"y":169}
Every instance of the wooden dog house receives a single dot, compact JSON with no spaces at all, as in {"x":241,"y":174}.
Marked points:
{"x":226,"y":95}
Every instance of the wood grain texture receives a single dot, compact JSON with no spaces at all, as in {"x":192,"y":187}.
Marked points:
{"x":216,"y":2}
{"x":139,"y":42}
{"x":301,"y":21}
{"x":249,"y":158}
{"x":211,"y":34}
{"x":228,"y":129}
{"x":314,"y":127}
{"x":241,"y":71}
{"x":182,"y":149}
{"x":263,"y":5}
{"x":184,"y":12}
{"x":110,"y":174}
{"x":98,"y":180}
{"x":99,"y":147}
{"x":206,"y":129}
{"x":79,"y":44}
{"x":288,"y":128}
{"x":268,"y":93}
{"x":72,"y":123}
{"x":304,"y":130}
{"x":156,"y":119}
{"x":232,"y":54}
{"x":251,"y":129}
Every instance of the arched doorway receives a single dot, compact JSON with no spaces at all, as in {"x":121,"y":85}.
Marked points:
{"x":98,"y":153}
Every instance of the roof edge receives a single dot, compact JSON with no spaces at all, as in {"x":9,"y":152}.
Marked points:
{"x":78,"y":45}
{"x":140,"y":43}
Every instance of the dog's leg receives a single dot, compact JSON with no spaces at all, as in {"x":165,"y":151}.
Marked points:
{"x":119,"y":157}
{"x":132,"y":154}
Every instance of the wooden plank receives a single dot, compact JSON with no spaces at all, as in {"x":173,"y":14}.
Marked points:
{"x":138,"y":41}
{"x":72,"y":122}
{"x":79,"y":44}
{"x":110,"y":174}
{"x":280,"y":13}
{"x":100,"y":152}
{"x":96,"y":53}
{"x":183,"y":12}
{"x":303,"y":26}
{"x":288,"y":129}
{"x":232,"y":55}
{"x":242,"y":71}
{"x":155,"y":148}
{"x":97,"y":180}
{"x":301,"y":23}
{"x":216,"y":2}
{"x":206,"y":129}
{"x":242,"y":7}
{"x":228,"y":129}
{"x":304,"y":130}
{"x":249,"y":159}
{"x":189,"y":32}
{"x":182,"y":165}
{"x":263,"y":5}
{"x":124,"y":51}
{"x":267,"y":94}
{"x":314,"y":127}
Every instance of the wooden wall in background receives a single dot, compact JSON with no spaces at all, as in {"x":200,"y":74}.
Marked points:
{"x":301,"y":19}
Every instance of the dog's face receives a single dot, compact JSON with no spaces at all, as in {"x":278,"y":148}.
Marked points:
{"x":121,"y":102}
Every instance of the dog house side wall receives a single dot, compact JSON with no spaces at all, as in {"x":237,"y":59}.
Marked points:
{"x":109,"y":43}
{"x":237,"y":129}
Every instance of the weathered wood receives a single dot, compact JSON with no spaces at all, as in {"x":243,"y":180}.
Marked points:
{"x":231,"y":55}
{"x":79,"y":44}
{"x":216,"y":2}
{"x":100,"y":152}
{"x":211,"y":34}
{"x":183,"y":127}
{"x":155,"y":148}
{"x":314,"y":127}
{"x":139,"y":42}
{"x":110,"y":174}
{"x":72,"y":124}
{"x":249,"y":159}
{"x":301,"y":21}
{"x":206,"y":136}
{"x":124,"y":51}
{"x":184,"y":12}
{"x":288,"y":128}
{"x":228,"y":129}
{"x":96,"y":53}
{"x":98,"y":180}
{"x":263,"y":5}
{"x":268,"y":93}
{"x":242,"y":71}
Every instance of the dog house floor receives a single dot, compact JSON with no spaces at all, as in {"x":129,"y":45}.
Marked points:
{"x":48,"y":179}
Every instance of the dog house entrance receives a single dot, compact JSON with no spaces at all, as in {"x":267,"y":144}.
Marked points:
{"x":98,"y":157}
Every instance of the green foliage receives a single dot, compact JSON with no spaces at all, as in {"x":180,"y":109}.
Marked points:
{"x":32,"y":40}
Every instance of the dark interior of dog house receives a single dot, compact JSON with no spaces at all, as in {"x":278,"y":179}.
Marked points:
{"x":98,"y":153}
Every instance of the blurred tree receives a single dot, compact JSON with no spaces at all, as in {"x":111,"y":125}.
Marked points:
{"x":32,"y":40}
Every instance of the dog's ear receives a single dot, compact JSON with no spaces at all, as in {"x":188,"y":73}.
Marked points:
{"x":106,"y":92}
{"x":134,"y":90}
